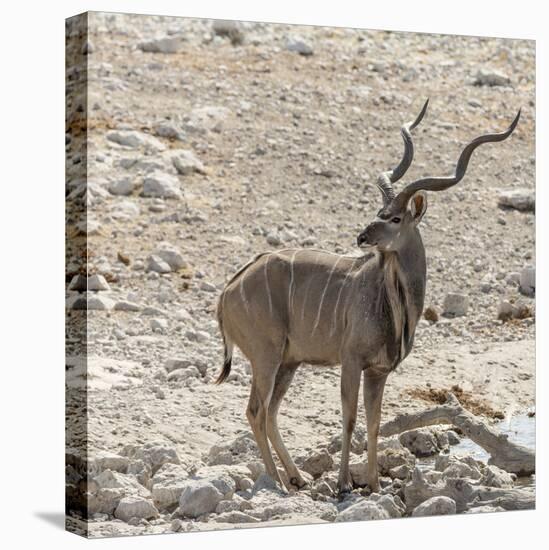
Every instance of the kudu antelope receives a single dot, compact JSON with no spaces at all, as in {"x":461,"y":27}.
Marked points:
{"x":295,"y":306}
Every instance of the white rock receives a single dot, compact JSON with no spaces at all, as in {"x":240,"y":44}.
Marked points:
{"x":198,"y":497}
{"x":159,"y":325}
{"x":155,"y":454}
{"x":208,"y":118}
{"x":235,"y":516}
{"x":488,"y":77}
{"x":135,"y":140}
{"x":528,"y":280}
{"x":185,"y":162}
{"x":157,"y":264}
{"x":496,"y":477}
{"x":435,"y":506}
{"x":455,"y":305}
{"x":167,"y":485}
{"x":298,"y":45}
{"x":170,"y":131}
{"x":520,"y":199}
{"x":135,"y":507}
{"x":421,"y":442}
{"x":171,"y":255}
{"x":183,"y":374}
{"x":161,"y":185}
{"x":100,"y":373}
{"x":167,"y":44}
{"x":265,"y":483}
{"x":362,"y":510}
{"x":126,"y":305}
{"x":124,"y":186}
{"x":99,"y":303}
{"x":105,"y":460}
{"x":97,"y":282}
{"x":230,"y":29}
{"x":318,"y":463}
{"x":208,"y":287}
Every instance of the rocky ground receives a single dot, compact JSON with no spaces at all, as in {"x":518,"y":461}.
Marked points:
{"x":207,"y":144}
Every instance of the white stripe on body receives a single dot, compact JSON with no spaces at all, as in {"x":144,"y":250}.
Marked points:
{"x":242,"y":293}
{"x":290,"y":288}
{"x":324,"y":295}
{"x":334,"y":320}
{"x":267,"y":284}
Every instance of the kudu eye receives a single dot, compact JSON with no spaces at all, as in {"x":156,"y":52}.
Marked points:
{"x":396,"y":219}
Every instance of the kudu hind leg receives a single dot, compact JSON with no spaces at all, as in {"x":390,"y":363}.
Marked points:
{"x":374,"y":384}
{"x":263,"y":379}
{"x":283,"y":380}
{"x":350,"y":384}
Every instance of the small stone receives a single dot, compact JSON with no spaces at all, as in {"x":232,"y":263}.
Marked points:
{"x":421,"y":442}
{"x":229,"y":29}
{"x":298,"y":45}
{"x":273,"y":239}
{"x":159,"y":325}
{"x":265,"y":482}
{"x":435,"y":506}
{"x":208,"y":287}
{"x":487,"y":77}
{"x":161,"y":185}
{"x":528,"y":280}
{"x":455,"y":305}
{"x":177,"y":525}
{"x":104,"y":460}
{"x":318,"y":463}
{"x":431,"y":314}
{"x":99,"y":303}
{"x":169,"y":131}
{"x":123,"y":187}
{"x":157,"y":264}
{"x":123,"y":257}
{"x":168,"y":44}
{"x":519,"y":199}
{"x":505,"y":310}
{"x":135,"y":507}
{"x":496,"y":477}
{"x":180,"y":375}
{"x":362,"y":510}
{"x":185,"y":162}
{"x":198,"y":497}
{"x":125,"y":305}
{"x":134,"y":140}
{"x":171,"y":255}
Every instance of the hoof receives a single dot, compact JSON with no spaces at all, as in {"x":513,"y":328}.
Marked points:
{"x":344,"y":490}
{"x":298,"y":483}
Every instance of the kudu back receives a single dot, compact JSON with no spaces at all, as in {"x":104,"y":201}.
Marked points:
{"x":295,"y":306}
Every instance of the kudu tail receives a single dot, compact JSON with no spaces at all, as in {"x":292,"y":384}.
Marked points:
{"x":227,"y":345}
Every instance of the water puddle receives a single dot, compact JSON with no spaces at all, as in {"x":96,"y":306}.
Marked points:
{"x":520,"y":428}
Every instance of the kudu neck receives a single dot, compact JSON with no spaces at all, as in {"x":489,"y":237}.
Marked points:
{"x":410,"y":263}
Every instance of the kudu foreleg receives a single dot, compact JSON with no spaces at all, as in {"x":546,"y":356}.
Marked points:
{"x":374,"y":384}
{"x":350,"y":384}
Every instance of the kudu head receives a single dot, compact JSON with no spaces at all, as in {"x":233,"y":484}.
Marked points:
{"x":397,"y":221}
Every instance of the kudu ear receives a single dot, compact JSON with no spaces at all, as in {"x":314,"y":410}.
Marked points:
{"x":418,"y":206}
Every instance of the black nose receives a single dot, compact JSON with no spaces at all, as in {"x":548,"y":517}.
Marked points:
{"x":361,"y":238}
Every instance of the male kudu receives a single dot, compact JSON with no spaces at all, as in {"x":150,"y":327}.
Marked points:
{"x":295,"y":306}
